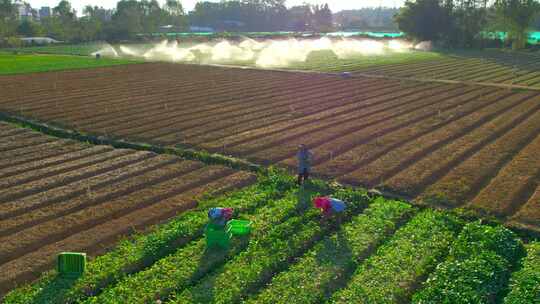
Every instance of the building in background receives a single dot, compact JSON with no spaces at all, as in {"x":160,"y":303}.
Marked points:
{"x":45,"y":12}
{"x":25,"y":11}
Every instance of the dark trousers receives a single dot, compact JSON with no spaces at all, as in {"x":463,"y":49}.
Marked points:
{"x":303,"y":177}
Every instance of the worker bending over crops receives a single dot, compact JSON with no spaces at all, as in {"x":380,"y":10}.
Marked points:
{"x":329,"y":205}
{"x":304,"y":163}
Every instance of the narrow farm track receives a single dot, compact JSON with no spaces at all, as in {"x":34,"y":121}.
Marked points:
{"x":70,"y":196}
{"x":442,"y":144}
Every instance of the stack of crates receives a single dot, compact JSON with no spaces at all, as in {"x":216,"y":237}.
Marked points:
{"x":71,"y":264}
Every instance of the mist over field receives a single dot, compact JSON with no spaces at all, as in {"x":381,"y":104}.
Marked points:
{"x":268,"y":53}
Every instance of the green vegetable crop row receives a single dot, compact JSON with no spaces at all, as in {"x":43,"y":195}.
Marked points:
{"x":132,"y":255}
{"x":192,"y":262}
{"x":319,"y":272}
{"x":265,"y":257}
{"x":477,"y":268}
{"x":525,"y":283}
{"x":390,"y":275}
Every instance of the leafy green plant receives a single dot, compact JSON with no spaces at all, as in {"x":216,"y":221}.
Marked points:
{"x":141,"y":251}
{"x":470,"y":281}
{"x":477,"y":268}
{"x":390,"y":275}
{"x":322,"y":270}
{"x":263,"y":258}
{"x":192,"y":262}
{"x":477,"y":238}
{"x":525,"y":283}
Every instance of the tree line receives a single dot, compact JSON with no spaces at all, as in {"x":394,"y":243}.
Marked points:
{"x":449,"y":23}
{"x":465,"y":23}
{"x":133,"y":17}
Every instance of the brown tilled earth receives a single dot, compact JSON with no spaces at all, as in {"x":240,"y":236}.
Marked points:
{"x":448,"y":145}
{"x":60,"y":195}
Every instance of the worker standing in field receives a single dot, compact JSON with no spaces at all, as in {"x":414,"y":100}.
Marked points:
{"x":304,"y":164}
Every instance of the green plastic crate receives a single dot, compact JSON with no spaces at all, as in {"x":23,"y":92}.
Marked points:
{"x":239,"y":227}
{"x":71,"y":264}
{"x":217,"y":237}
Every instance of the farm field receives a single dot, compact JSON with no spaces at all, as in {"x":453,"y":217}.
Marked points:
{"x":488,"y":66}
{"x":60,"y":195}
{"x":378,"y":251}
{"x":439,"y":144}
{"x":24,"y":63}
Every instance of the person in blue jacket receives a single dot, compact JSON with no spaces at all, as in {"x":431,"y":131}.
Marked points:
{"x":304,"y":163}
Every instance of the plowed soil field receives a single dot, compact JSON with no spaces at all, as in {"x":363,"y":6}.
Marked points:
{"x":447,"y":145}
{"x":59,"y":195}
{"x":486,"y":67}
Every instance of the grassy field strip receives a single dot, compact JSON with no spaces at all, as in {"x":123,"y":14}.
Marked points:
{"x":266,"y":257}
{"x":19,"y":64}
{"x":525,"y":283}
{"x":133,"y":255}
{"x":392,"y":274}
{"x":328,"y":265}
{"x":477,"y":268}
{"x":193,"y":262}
